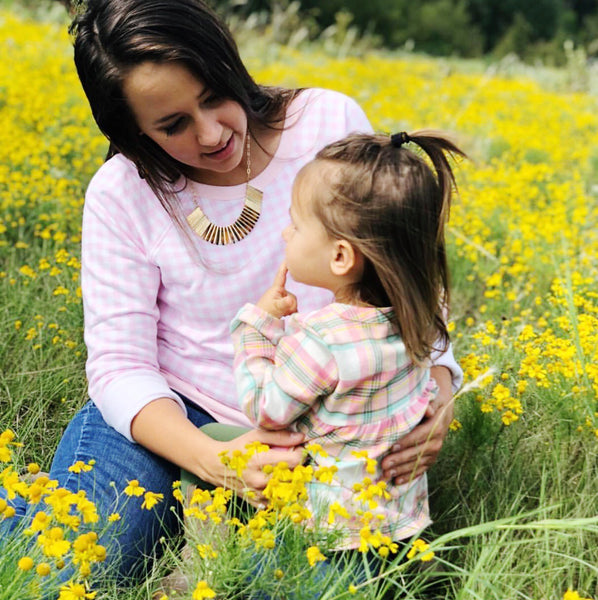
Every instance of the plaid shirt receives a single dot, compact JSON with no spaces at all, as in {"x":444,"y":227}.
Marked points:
{"x":341,"y":376}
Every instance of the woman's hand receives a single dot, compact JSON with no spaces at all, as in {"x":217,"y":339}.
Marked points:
{"x":417,"y":451}
{"x":163,"y":428}
{"x":277,"y":300}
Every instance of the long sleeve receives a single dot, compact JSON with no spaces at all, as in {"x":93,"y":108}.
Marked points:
{"x":279,"y":375}
{"x":120,"y":287}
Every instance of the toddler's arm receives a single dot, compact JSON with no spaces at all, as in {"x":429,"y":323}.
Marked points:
{"x":279,"y":375}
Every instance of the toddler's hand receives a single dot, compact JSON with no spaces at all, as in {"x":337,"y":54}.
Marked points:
{"x":277,"y":300}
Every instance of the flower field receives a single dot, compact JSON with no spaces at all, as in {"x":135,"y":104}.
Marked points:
{"x":515,"y":494}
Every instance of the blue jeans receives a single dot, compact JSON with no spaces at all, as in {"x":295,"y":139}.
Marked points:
{"x":118,"y":461}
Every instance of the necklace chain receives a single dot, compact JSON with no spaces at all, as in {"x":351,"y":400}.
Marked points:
{"x":230,"y":234}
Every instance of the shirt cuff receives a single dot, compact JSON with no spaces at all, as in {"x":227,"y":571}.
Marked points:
{"x":270,"y":327}
{"x":123,"y":398}
{"x":447,"y":359}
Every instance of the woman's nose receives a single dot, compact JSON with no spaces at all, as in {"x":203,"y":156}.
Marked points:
{"x":208,"y":131}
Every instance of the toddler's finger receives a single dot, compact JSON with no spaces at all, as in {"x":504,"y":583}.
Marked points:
{"x":280,"y":279}
{"x":292,"y":303}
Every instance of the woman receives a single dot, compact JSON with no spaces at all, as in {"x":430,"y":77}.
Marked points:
{"x":181,"y":227}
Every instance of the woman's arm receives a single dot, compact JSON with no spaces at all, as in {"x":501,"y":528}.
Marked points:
{"x":163,"y":428}
{"x":417,"y":451}
{"x":120,"y":284}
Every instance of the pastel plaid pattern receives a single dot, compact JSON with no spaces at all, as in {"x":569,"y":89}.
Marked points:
{"x":341,"y":376}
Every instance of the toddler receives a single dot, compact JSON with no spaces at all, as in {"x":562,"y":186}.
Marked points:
{"x":367,"y":224}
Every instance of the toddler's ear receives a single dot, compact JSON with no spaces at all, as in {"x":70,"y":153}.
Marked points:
{"x":346,"y":259}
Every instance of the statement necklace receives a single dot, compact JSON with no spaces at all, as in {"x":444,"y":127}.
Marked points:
{"x":230,"y":234}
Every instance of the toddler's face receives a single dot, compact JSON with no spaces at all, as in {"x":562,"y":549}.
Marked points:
{"x":309,"y":248}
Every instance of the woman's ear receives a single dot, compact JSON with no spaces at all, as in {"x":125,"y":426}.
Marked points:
{"x":345,"y":259}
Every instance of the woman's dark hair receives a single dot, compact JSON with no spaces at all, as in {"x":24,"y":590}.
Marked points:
{"x":111,"y":37}
{"x":392,"y":207}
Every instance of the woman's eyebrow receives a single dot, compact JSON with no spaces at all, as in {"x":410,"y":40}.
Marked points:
{"x":165,"y":118}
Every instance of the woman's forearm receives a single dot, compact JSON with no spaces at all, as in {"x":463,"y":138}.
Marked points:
{"x":162,"y":427}
{"x":444,"y":400}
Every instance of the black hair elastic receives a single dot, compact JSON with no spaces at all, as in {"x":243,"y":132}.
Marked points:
{"x":398,"y":139}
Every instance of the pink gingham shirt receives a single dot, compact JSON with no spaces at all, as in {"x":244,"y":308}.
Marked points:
{"x":341,"y":376}
{"x":156,"y":316}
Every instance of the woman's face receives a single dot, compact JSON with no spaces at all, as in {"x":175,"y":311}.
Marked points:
{"x":180,"y":114}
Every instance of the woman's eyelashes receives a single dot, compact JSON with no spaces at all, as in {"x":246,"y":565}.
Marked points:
{"x":174,"y":127}
{"x":178,"y":124}
{"x":211,"y":99}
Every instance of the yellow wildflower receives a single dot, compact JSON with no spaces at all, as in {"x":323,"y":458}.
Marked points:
{"x":371,"y":464}
{"x":43,"y":569}
{"x":572,"y":595}
{"x":133,"y":488}
{"x":75,"y":591}
{"x":53,"y":543}
{"x":420,"y":549}
{"x":325,"y":474}
{"x":150,"y":500}
{"x":314,"y":555}
{"x":206,"y":551}
{"x":25,"y":563}
{"x":202,"y":590}
{"x":80,"y":467}
{"x":40,"y":522}
{"x":335,"y":510}
{"x":316,"y":449}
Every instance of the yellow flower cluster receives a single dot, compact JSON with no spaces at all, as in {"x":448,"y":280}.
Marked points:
{"x":238,"y":460}
{"x":49,"y":148}
{"x":205,"y":504}
{"x":202,"y":590}
{"x":420,"y":549}
{"x":214,"y":523}
{"x":53,"y":538}
{"x":287,"y":497}
{"x":7,"y":438}
{"x":54,"y":528}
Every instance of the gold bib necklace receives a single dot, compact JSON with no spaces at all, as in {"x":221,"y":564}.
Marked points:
{"x":230,"y":234}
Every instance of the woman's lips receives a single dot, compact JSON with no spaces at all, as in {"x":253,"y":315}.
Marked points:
{"x":224,"y":152}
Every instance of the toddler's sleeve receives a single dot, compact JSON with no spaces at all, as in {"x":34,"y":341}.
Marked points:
{"x":279,"y":375}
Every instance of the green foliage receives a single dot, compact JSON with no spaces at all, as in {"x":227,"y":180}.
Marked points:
{"x":531,"y":29}
{"x":517,"y":38}
{"x":441,"y":28}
